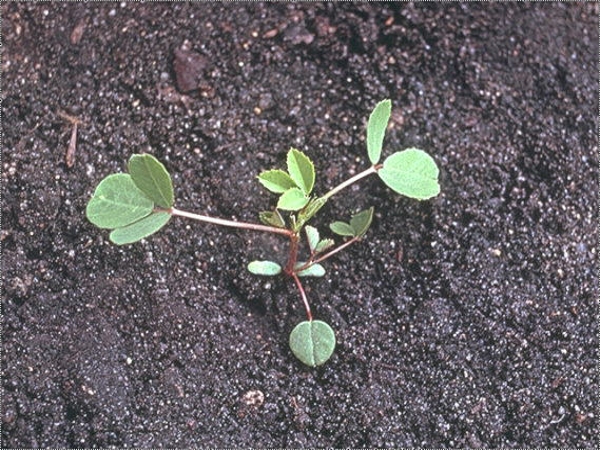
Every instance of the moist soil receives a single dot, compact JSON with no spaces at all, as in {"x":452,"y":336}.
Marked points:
{"x":468,"y":320}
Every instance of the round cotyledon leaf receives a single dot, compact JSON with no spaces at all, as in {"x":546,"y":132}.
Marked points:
{"x":265,"y":268}
{"x":312,"y":342}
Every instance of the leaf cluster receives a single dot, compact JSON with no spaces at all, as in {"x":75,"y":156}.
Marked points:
{"x":295,"y":185}
{"x":133,"y":205}
{"x":410,"y":172}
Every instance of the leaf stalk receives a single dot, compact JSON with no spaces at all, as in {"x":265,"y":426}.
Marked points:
{"x":230,"y":223}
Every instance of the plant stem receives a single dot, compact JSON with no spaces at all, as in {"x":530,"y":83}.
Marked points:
{"x":293,"y":254}
{"x":349,"y":181}
{"x":329,"y":254}
{"x":303,"y":295}
{"x":230,"y":223}
{"x":337,"y":249}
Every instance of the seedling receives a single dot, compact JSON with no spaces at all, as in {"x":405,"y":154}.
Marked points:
{"x":137,"y":204}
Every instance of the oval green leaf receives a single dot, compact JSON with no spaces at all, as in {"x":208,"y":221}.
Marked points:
{"x":411,"y":172}
{"x":140,"y":229}
{"x":312,"y":342}
{"x":361,"y":221}
{"x":117,"y":202}
{"x":276,"y":181}
{"x":312,"y":235}
{"x":314,"y":270}
{"x":301,"y":169}
{"x":342,"y":228}
{"x":378,"y":121}
{"x":323,"y":245}
{"x":265,"y":268}
{"x":152,"y":178}
{"x":292,"y":200}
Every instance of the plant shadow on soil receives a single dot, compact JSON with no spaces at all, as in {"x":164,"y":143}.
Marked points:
{"x":465,"y":321}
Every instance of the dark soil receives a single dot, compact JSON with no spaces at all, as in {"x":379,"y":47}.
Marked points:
{"x":465,"y":321}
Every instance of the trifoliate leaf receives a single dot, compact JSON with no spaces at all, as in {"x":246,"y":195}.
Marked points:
{"x":267,"y":268}
{"x":301,"y":169}
{"x":314,"y":270}
{"x":151,"y":177}
{"x":323,"y":245}
{"x":140,"y":229}
{"x":292,"y":200}
{"x":276,"y":181}
{"x":411,"y":172}
{"x":312,"y":342}
{"x":342,"y":228}
{"x":312,"y":235}
{"x":117,"y":202}
{"x":272,"y":218}
{"x":378,"y":121}
{"x":361,"y":221}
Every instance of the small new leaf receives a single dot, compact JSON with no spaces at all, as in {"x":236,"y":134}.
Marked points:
{"x":117,"y":202}
{"x":378,"y":121}
{"x":314,"y":270}
{"x":151,"y":177}
{"x":292,"y":200}
{"x":301,"y":169}
{"x":342,"y":228}
{"x":312,"y":235}
{"x":140,"y":229}
{"x":323,"y":245}
{"x":266,"y":268}
{"x":276,"y":181}
{"x":312,"y":342}
{"x":411,"y":172}
{"x":272,"y":218}
{"x":361,"y":221}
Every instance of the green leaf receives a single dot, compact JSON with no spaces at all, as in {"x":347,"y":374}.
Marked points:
{"x":151,"y":177}
{"x":292,"y":200}
{"x":323,"y":245}
{"x":140,"y":229}
{"x":272,"y":218}
{"x":378,"y":121}
{"x":342,"y":228}
{"x":276,"y":181}
{"x":307,"y":213}
{"x":314,"y":270}
{"x":361,"y":221}
{"x":411,"y":172}
{"x":301,"y":169}
{"x":312,"y":342}
{"x":312,"y":235}
{"x":117,"y":202}
{"x":267,"y":268}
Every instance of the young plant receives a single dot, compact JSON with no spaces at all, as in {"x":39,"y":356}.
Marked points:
{"x":137,"y":204}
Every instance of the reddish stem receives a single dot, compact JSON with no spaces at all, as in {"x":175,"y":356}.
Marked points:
{"x":328,"y":254}
{"x":303,"y":295}
{"x":293,"y":255}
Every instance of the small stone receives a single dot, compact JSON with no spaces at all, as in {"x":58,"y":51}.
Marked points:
{"x":254,"y":398}
{"x":188,"y":67}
